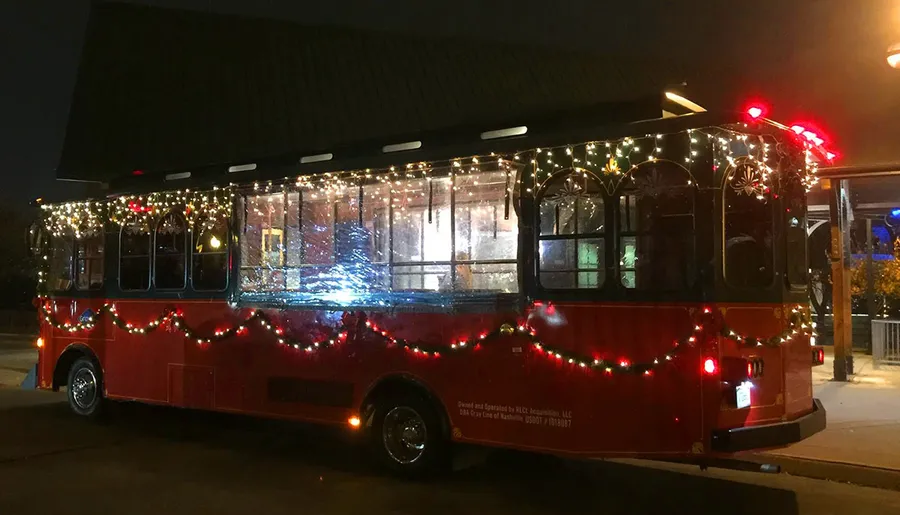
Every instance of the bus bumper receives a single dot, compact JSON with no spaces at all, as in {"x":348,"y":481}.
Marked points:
{"x":770,"y":435}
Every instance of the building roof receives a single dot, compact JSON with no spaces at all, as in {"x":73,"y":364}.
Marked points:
{"x":162,"y":89}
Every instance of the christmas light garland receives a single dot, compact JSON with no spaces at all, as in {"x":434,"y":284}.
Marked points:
{"x":612,"y":160}
{"x":799,"y":323}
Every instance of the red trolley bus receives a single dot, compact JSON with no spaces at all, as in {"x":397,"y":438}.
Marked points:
{"x":637,"y":290}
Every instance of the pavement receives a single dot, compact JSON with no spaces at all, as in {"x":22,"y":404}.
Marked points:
{"x":859,"y":446}
{"x":17,"y":356}
{"x":152,"y":460}
{"x":861,"y":443}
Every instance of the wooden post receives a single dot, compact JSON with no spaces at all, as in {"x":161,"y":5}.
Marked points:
{"x":840,"y":283}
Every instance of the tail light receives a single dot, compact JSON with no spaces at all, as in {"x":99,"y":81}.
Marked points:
{"x":738,"y":370}
{"x":818,"y":356}
{"x":755,"y":368}
{"x":710,"y":366}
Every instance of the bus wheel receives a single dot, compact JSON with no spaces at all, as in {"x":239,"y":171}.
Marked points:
{"x":85,"y":388}
{"x":407,"y":436}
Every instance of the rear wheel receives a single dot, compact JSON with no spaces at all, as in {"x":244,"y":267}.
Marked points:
{"x":407,"y":436}
{"x":85,"y":388}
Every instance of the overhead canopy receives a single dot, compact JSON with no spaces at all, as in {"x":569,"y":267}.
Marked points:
{"x":163,"y":89}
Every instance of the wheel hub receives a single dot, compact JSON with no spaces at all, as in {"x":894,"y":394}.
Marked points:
{"x":84,"y":388}
{"x":404,"y":435}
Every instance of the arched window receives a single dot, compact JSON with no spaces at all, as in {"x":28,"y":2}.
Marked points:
{"x":210,"y":263}
{"x":748,"y":219}
{"x":134,"y":257}
{"x":572,"y":232}
{"x":656,"y":228}
{"x":89,"y":261}
{"x":170,"y":248}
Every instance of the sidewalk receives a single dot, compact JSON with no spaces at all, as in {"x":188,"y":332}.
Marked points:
{"x":863,"y":428}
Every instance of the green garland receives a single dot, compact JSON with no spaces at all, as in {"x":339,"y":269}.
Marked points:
{"x":799,"y":324}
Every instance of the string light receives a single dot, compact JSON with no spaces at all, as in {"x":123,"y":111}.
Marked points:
{"x":799,"y":323}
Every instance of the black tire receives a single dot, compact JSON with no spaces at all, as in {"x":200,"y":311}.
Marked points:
{"x":400,"y":424}
{"x":85,"y":388}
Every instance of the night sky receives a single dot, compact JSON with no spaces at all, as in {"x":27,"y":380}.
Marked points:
{"x":817,"y":60}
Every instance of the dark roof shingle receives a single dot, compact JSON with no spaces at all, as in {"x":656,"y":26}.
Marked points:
{"x":164,"y":89}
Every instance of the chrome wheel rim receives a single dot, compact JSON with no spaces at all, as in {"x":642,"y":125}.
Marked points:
{"x":404,"y":435}
{"x":84,"y":388}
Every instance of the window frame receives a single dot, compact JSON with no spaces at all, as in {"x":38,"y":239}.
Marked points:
{"x":226,"y":241}
{"x":575,"y":236}
{"x":773,"y":219}
{"x":122,"y":256}
{"x":71,"y":238}
{"x":621,"y":193}
{"x":789,"y":256}
{"x":101,"y":237}
{"x":155,"y":261}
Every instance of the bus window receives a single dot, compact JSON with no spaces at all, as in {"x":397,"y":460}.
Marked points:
{"x":209,"y":268}
{"x":656,"y":228}
{"x":60,"y":278}
{"x":795,"y":220}
{"x":486,"y":233}
{"x":89,"y":262}
{"x":171,"y":243}
{"x":262,"y":243}
{"x":375,"y":231}
{"x":421,"y":233}
{"x":748,"y":226}
{"x":384,"y":236}
{"x":572,"y":233}
{"x":134,"y":257}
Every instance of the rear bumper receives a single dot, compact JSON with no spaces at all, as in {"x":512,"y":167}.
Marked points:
{"x":770,"y":435}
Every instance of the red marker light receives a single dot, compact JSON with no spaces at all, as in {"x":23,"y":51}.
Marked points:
{"x":137,"y":172}
{"x":755,"y":111}
{"x":710,"y":366}
{"x":749,"y":370}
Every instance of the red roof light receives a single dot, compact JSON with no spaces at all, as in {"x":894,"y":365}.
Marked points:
{"x":756,"y":111}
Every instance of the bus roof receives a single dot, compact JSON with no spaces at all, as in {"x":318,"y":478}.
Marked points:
{"x":163,"y":90}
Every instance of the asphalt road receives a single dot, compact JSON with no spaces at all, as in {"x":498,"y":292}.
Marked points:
{"x":152,"y":460}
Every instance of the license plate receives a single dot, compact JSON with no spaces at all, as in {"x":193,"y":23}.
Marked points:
{"x":743,"y":396}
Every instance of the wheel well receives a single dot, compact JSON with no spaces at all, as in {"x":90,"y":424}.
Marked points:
{"x":397,"y":385}
{"x":65,"y":361}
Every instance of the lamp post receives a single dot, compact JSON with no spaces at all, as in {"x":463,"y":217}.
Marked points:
{"x":893,"y":56}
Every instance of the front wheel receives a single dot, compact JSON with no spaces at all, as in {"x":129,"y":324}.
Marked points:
{"x":85,"y":388}
{"x":407,"y":436}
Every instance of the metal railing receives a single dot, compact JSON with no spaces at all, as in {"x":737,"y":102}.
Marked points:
{"x":885,"y":342}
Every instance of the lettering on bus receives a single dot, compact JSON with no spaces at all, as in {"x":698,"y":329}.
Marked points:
{"x":518,"y":414}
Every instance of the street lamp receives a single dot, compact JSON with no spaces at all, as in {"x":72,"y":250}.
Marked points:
{"x":893,"y":55}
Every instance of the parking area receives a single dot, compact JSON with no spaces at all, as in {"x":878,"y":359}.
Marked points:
{"x":149,"y":459}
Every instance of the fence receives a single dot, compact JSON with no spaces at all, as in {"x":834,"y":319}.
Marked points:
{"x":885,"y":342}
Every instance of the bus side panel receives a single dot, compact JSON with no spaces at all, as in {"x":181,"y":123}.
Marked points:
{"x":798,"y":394}
{"x":509,"y":392}
{"x":58,"y":341}
{"x":136,"y":365}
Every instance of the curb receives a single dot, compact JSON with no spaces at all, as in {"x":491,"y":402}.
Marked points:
{"x":829,"y":470}
{"x":30,"y":382}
